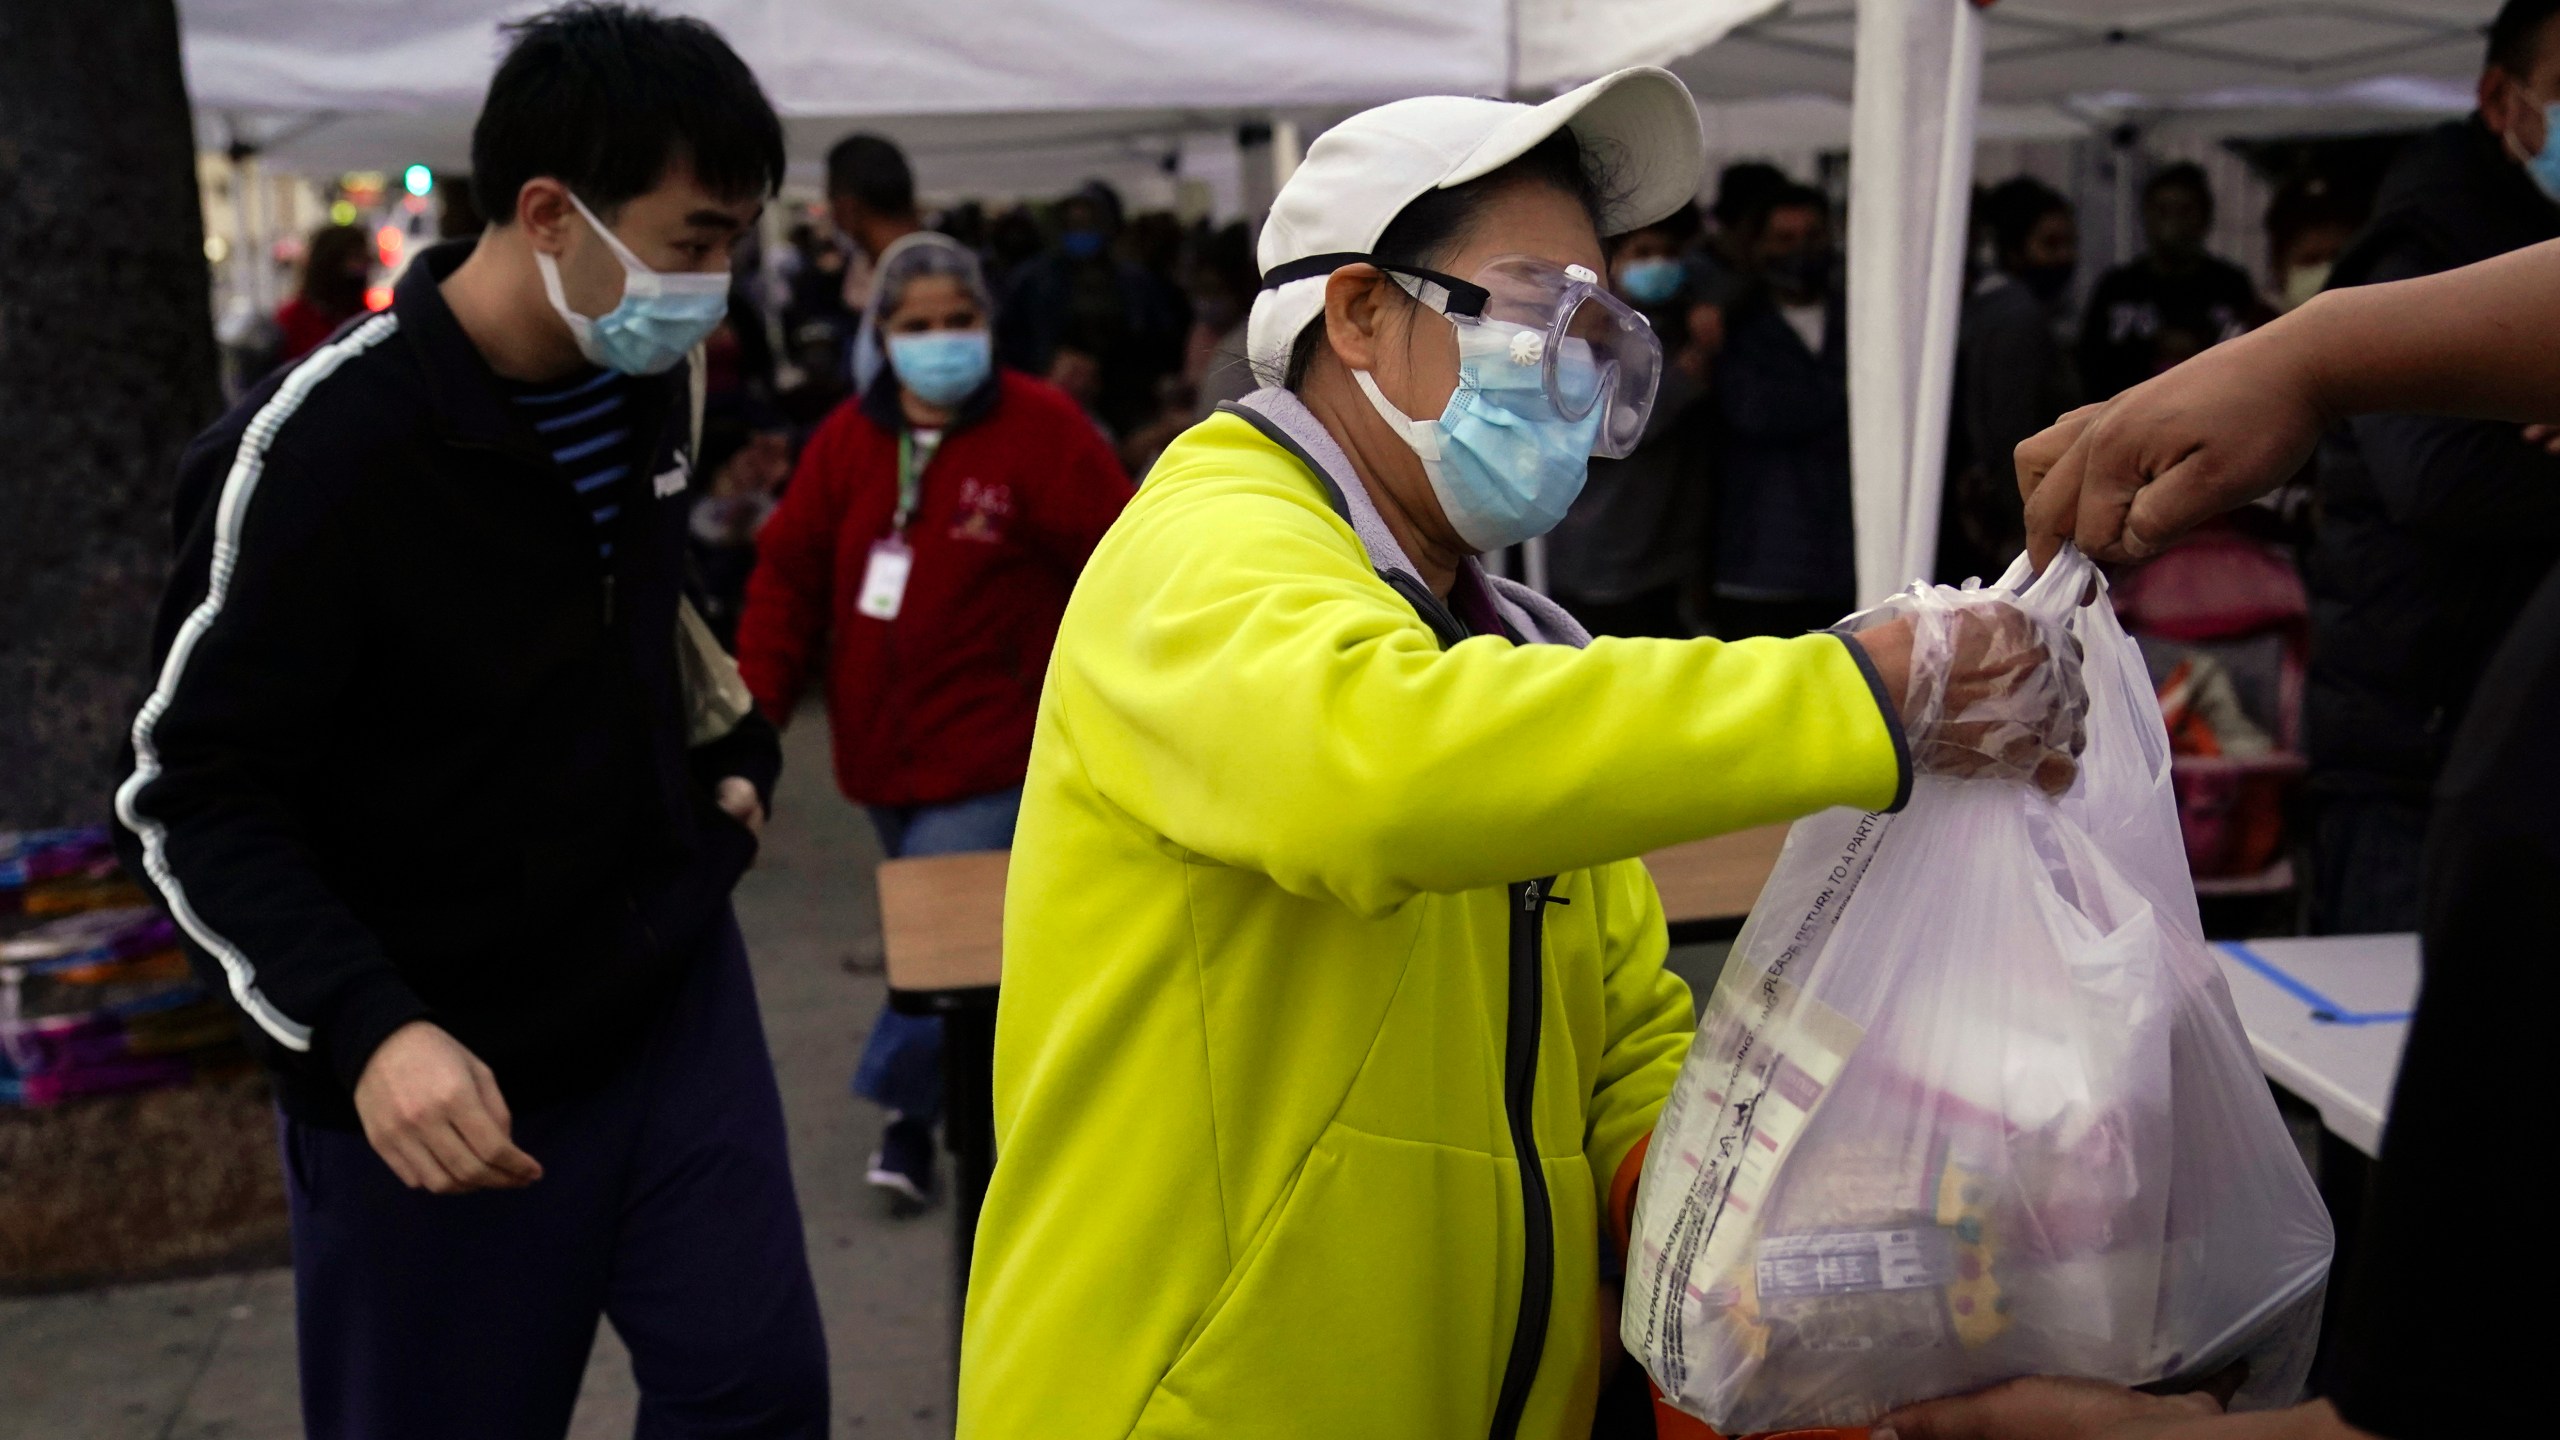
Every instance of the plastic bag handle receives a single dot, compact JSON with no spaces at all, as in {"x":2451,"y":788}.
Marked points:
{"x":2056,"y":593}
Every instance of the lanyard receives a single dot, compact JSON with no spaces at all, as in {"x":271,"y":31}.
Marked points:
{"x":910,"y":481}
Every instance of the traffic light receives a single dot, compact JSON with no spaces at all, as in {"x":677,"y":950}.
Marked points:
{"x":419,"y":180}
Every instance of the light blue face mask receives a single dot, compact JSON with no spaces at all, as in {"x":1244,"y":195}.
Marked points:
{"x":662,"y":315}
{"x":1504,"y":461}
{"x":942,"y":367}
{"x":2544,"y":164}
{"x":1651,"y":282}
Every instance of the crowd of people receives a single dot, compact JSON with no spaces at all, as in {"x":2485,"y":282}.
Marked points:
{"x":1155,"y":551}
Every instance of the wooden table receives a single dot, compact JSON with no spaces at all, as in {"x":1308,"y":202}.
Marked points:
{"x":942,"y":926}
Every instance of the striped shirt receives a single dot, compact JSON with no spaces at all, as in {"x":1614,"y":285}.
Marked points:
{"x":583,"y":421}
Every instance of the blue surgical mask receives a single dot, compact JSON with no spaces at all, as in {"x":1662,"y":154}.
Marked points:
{"x":1651,"y":282}
{"x":2544,"y":165}
{"x":662,"y":315}
{"x":1503,"y":460}
{"x":1082,"y":244}
{"x":942,"y":367}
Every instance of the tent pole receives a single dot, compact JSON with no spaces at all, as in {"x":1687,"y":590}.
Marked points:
{"x":1934,"y":399}
{"x":1912,"y":122}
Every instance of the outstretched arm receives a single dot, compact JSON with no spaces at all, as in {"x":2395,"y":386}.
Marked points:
{"x":2126,"y":477}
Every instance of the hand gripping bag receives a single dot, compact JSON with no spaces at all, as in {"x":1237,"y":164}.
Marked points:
{"x":1970,"y":1102}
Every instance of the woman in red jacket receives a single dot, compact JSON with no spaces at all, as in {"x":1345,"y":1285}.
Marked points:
{"x":921,"y":557}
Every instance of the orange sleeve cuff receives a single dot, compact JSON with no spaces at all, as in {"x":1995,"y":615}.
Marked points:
{"x":1622,"y":1191}
{"x":1668,"y":1423}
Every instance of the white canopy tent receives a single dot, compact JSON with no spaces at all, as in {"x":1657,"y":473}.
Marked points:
{"x":988,"y":95}
{"x":1023,"y":96}
{"x":1925,"y":74}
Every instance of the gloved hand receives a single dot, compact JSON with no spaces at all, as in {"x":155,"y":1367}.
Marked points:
{"x":1988,"y":690}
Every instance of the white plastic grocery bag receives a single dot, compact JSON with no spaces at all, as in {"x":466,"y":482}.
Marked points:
{"x":1970,"y":1102}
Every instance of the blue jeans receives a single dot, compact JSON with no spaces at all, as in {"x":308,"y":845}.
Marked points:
{"x":901,"y":1065}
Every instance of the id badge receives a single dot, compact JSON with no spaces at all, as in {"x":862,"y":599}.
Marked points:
{"x":884,"y":580}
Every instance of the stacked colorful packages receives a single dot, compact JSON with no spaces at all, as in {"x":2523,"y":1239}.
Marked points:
{"x":95,"y":994}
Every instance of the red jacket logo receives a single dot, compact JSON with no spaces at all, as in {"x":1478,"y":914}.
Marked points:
{"x":984,"y":509}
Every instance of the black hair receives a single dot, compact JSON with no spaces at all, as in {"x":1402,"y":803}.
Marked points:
{"x":2515,"y":37}
{"x":873,"y":171}
{"x":604,"y":97}
{"x":1743,"y":190}
{"x":1435,"y":223}
{"x":1099,"y":195}
{"x":1224,"y":258}
{"x":2185,"y":175}
{"x":335,"y":264}
{"x":1792,"y":196}
{"x":2308,"y":202}
{"x":1681,"y":226}
{"x":2012,"y":209}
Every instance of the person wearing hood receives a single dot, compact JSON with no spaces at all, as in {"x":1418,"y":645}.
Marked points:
{"x":1083,"y":307}
{"x":2433,"y":531}
{"x":918,"y":564}
{"x":2014,"y":374}
{"x":1325,"y":907}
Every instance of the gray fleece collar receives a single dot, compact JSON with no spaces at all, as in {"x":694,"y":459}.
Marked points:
{"x":1531,"y":617}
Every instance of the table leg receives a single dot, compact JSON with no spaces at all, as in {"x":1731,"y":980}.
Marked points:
{"x":969,"y":1132}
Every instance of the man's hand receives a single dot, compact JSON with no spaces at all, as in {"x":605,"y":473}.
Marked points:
{"x":737,"y":796}
{"x":433,"y":1113}
{"x":2044,"y":1408}
{"x":2125,"y":478}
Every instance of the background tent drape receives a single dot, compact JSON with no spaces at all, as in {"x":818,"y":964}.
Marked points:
{"x":1919,"y":79}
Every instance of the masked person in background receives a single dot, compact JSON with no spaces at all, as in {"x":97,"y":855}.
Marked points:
{"x":2172,"y":300}
{"x":918,"y":563}
{"x":871,"y":196}
{"x":1324,"y":910}
{"x":417,"y":781}
{"x":2013,"y":373}
{"x":335,"y":266}
{"x":1622,"y":555}
{"x":1784,"y":559}
{"x":1081,"y":314}
{"x":2433,"y":530}
{"x":2309,"y":224}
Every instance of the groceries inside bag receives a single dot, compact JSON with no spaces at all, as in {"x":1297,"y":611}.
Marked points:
{"x":1970,"y":1102}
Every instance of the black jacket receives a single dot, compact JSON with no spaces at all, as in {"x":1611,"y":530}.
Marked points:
{"x":414,"y":751}
{"x":2433,"y":532}
{"x":1783,"y":528}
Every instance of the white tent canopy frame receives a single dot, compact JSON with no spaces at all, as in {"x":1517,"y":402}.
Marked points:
{"x":1017,"y":96}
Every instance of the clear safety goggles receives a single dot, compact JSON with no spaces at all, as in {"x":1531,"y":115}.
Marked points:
{"x":1592,"y":348}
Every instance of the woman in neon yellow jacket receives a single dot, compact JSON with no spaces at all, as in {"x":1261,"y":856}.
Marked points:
{"x":1322,"y":911}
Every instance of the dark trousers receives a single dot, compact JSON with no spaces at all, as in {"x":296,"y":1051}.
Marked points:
{"x":665,"y":1204}
{"x":2367,"y":865}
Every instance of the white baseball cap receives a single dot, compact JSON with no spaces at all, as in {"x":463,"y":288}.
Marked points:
{"x":1639,"y":134}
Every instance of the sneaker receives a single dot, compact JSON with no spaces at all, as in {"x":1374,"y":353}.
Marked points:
{"x":903,"y":1165}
